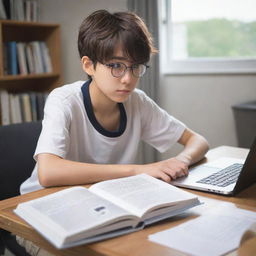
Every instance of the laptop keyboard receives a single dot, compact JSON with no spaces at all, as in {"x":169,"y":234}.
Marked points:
{"x":223,"y":177}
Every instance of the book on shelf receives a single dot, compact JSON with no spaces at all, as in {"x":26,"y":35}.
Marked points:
{"x":38,"y":60}
{"x":5,"y":107}
{"x":33,"y":106}
{"x":46,"y":60}
{"x":26,"y":58}
{"x":30,"y":58}
{"x":22,"y":60}
{"x":7,"y":8}
{"x":5,"y":59}
{"x":40,"y":102}
{"x":78,"y":215}
{"x":34,"y":13}
{"x":12,"y":64}
{"x":42,"y":60}
{"x":21,"y":10}
{"x":26,"y":107}
{"x":21,"y":107}
{"x":3,"y":15}
{"x":15,"y":109}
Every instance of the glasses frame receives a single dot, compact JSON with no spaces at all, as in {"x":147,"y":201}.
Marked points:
{"x":110,"y":65}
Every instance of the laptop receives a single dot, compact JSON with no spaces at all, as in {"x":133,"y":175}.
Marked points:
{"x":225,"y":176}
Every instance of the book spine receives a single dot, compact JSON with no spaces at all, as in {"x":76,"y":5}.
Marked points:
{"x":22,"y":10}
{"x":37,"y":57}
{"x":12,"y":109}
{"x":5,"y":59}
{"x":22,"y":58}
{"x":2,"y":11}
{"x":34,"y":11}
{"x":46,"y":60}
{"x":28,"y":11}
{"x":26,"y":107}
{"x":13,"y":58}
{"x":33,"y":106}
{"x":19,"y":10}
{"x":12,"y":10}
{"x":7,"y":7}
{"x":21,"y":107}
{"x":30,"y":58}
{"x":40,"y":105}
{"x":26,"y":58}
{"x":15,"y":109}
{"x":5,"y":107}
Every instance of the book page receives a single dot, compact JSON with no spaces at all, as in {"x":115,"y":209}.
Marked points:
{"x":140,"y":193}
{"x":71,"y":211}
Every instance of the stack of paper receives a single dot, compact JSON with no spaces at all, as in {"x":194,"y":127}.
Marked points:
{"x":216,"y":232}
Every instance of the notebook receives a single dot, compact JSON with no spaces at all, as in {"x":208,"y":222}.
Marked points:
{"x":226,"y":176}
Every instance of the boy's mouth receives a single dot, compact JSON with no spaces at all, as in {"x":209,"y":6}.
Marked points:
{"x":123,"y":91}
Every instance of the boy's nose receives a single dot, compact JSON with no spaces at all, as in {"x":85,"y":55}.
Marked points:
{"x":127,"y":77}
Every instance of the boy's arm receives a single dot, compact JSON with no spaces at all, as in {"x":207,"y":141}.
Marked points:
{"x":55,"y":171}
{"x":195,"y":147}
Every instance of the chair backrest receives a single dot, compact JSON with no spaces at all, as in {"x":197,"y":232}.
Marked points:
{"x":17,"y":146}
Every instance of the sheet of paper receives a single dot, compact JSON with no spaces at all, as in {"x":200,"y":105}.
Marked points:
{"x":215,"y":233}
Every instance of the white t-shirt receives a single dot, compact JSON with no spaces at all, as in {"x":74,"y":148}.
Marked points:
{"x":71,"y":131}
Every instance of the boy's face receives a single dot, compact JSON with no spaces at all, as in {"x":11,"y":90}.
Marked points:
{"x":116,"y":89}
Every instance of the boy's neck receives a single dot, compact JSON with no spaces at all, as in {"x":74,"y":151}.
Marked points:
{"x":105,"y":111}
{"x":100,"y":103}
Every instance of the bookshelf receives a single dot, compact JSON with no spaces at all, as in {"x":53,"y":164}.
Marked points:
{"x":23,"y":31}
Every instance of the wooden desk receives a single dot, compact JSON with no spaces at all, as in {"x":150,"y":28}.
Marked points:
{"x":136,"y":243}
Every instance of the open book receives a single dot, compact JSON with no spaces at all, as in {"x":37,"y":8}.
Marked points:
{"x":107,"y":209}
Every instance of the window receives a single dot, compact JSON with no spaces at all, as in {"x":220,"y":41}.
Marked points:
{"x":208,"y":36}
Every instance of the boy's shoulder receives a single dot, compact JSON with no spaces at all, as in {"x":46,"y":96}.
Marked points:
{"x":67,"y":90}
{"x":138,"y":93}
{"x":139,"y":96}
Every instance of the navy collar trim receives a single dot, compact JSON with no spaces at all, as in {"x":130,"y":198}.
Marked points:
{"x":92,"y":118}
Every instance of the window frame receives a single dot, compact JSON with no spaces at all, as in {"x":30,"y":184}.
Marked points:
{"x":196,"y":65}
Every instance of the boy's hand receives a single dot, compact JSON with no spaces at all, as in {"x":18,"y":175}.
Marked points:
{"x":166,"y":170}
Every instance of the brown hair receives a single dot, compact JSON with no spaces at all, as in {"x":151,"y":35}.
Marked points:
{"x":101,"y":32}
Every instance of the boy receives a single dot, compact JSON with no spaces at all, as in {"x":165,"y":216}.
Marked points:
{"x":91,"y":130}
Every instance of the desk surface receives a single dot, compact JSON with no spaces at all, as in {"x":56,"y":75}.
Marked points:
{"x":136,"y":243}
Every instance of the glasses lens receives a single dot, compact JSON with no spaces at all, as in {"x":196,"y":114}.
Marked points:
{"x":138,"y":70}
{"x":118,"y":69}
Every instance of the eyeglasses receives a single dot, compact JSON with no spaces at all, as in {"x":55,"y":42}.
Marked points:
{"x":118,"y":69}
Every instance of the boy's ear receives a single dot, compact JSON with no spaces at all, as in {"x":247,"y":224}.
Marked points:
{"x":87,"y":65}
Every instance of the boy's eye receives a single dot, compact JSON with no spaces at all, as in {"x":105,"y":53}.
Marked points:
{"x":136,"y":66}
{"x":116,"y":65}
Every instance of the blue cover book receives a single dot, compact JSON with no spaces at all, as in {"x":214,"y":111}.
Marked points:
{"x":12,"y":58}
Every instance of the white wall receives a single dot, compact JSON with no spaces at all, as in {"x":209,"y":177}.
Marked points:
{"x":202,"y":102}
{"x":70,"y":14}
